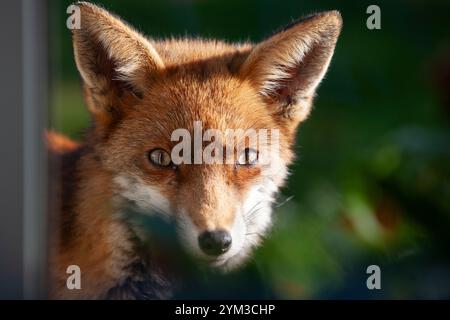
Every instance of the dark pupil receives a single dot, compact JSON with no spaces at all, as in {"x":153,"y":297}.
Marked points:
{"x":163,"y":158}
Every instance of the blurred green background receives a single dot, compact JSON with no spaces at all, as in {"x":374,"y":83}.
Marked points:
{"x":371,"y":184}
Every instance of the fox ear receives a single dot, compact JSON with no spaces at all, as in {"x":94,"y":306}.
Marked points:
{"x":114,"y":61}
{"x":288,"y":67}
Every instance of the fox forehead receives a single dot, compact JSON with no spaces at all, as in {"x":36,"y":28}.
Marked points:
{"x":205,"y":90}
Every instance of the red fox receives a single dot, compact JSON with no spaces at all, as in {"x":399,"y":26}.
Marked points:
{"x":139,"y":91}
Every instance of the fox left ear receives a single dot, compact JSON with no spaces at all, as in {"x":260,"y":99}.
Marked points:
{"x":288,"y":67}
{"x":116,"y":63}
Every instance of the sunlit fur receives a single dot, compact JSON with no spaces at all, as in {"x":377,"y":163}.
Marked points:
{"x":139,"y":91}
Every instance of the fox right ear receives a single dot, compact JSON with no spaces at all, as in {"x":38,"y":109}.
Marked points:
{"x":287,"y":67}
{"x":114,"y":61}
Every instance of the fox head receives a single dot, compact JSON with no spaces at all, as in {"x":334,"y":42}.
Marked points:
{"x":140,"y":91}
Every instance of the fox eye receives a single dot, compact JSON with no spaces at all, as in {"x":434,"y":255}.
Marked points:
{"x":160,"y":158}
{"x":248,"y":157}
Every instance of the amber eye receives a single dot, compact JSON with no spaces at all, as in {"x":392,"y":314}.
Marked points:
{"x":160,"y":158}
{"x":248,"y":157}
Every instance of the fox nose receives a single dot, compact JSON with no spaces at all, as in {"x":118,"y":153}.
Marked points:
{"x":215,"y":243}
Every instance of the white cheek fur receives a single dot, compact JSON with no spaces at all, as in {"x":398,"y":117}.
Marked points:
{"x":145,"y":197}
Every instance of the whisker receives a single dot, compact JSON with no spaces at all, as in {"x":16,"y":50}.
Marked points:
{"x":254,"y":214}
{"x":284,"y":201}
{"x":251,"y":209}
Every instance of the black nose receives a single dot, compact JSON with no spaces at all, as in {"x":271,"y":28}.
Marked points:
{"x":215,"y":243}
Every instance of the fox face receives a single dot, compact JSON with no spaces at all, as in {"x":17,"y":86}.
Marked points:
{"x":221,"y":209}
{"x":141,"y":91}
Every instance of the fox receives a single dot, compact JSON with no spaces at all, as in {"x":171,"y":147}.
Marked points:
{"x":138,"y":91}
